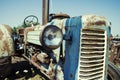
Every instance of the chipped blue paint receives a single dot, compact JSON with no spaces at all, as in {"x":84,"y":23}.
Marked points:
{"x":72,"y":43}
{"x":73,"y":26}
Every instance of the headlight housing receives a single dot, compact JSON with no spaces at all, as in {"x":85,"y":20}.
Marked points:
{"x":51,"y":37}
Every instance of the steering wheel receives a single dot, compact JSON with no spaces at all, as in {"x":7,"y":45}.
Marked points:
{"x":30,"y":20}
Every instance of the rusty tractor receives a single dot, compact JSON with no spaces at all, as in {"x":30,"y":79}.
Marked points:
{"x":65,"y":48}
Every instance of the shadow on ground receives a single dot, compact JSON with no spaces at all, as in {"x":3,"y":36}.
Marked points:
{"x":23,"y":71}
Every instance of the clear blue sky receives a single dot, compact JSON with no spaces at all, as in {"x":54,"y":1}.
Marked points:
{"x":13,"y":12}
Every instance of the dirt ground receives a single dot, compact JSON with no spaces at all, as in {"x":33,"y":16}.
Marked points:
{"x":23,"y":70}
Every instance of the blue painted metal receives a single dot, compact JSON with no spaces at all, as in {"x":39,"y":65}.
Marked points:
{"x":73,"y":26}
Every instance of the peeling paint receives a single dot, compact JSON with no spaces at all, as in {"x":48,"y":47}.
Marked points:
{"x":6,"y":41}
{"x":94,"y":20}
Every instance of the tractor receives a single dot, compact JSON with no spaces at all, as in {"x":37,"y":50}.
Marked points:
{"x":65,"y":48}
{"x":62,"y":48}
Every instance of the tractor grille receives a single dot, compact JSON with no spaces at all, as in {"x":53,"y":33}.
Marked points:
{"x":92,"y":56}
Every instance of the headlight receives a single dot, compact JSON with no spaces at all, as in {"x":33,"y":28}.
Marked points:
{"x":51,"y":37}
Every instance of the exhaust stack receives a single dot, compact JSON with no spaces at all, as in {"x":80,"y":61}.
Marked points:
{"x":45,"y":12}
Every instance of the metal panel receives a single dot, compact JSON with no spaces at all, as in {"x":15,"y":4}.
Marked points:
{"x":73,"y":27}
{"x":92,"y":59}
{"x":34,"y":37}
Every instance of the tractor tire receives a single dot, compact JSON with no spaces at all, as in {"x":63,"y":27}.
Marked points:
{"x":113,"y":72}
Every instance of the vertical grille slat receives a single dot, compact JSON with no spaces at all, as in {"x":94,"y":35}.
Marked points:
{"x":92,"y":51}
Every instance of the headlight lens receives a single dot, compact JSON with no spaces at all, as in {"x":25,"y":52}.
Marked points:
{"x":51,"y":37}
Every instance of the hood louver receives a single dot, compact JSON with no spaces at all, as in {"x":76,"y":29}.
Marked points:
{"x":92,"y":54}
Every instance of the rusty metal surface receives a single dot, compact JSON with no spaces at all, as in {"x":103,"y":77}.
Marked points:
{"x":115,"y":54}
{"x":42,"y":69}
{"x":6,"y":41}
{"x":99,"y":27}
{"x":94,"y":20}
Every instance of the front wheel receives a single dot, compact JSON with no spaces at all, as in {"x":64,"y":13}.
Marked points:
{"x":113,"y":72}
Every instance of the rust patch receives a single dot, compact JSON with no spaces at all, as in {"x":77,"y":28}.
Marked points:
{"x":97,"y":23}
{"x":8,"y":29}
{"x":1,"y":35}
{"x":5,"y":46}
{"x":93,"y":20}
{"x":100,"y":23}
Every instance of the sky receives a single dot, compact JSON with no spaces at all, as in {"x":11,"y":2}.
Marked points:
{"x":13,"y":12}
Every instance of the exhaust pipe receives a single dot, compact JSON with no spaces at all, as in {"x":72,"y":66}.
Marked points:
{"x":45,"y":12}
